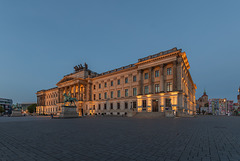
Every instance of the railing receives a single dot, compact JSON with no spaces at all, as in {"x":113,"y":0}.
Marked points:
{"x":118,"y":69}
{"x":158,"y":54}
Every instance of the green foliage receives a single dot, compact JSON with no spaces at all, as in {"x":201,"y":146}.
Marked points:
{"x":1,"y":109}
{"x":32,"y":108}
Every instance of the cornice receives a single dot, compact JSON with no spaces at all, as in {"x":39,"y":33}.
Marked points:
{"x":157,"y":58}
{"x":113,"y":73}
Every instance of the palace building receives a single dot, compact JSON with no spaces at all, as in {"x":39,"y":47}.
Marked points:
{"x":155,"y":84}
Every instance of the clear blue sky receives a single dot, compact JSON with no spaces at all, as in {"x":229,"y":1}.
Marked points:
{"x":41,"y":41}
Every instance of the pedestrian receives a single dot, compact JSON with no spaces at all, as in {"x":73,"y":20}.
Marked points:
{"x":51,"y":116}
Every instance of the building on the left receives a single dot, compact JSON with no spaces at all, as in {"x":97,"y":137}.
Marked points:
{"x":6,"y":104}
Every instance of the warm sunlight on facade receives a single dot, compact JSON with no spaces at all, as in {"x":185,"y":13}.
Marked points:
{"x":156,"y":83}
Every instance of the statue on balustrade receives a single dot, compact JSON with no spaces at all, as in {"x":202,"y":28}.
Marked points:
{"x":80,"y":67}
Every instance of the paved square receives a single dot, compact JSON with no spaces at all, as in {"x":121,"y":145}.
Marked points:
{"x":206,"y":138}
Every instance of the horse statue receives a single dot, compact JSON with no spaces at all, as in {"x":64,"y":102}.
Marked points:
{"x":68,"y":98}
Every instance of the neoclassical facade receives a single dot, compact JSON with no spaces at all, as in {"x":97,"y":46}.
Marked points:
{"x":154,"y":84}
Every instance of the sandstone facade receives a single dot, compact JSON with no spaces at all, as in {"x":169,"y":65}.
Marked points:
{"x":154,"y":84}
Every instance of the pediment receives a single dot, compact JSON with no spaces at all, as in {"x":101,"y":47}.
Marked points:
{"x":65,"y":79}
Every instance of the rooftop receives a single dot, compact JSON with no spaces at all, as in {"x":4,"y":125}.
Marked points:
{"x":140,"y":60}
{"x":159,"y":54}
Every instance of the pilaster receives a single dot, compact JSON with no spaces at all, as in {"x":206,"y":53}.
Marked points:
{"x":140,"y":82}
{"x":174,"y":75}
{"x":162,"y":79}
{"x":179,"y":73}
{"x":150,"y":80}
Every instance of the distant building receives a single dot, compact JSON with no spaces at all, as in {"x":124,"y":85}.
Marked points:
{"x":6,"y":104}
{"x":235,"y":106}
{"x":25,"y":105}
{"x":230,"y":106}
{"x":220,"y":106}
{"x":202,"y":102}
{"x":238,"y":97}
{"x":214,"y":106}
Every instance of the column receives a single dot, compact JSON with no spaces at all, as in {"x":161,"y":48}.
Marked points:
{"x":150,"y":81}
{"x":87,"y":92}
{"x":130,"y":81}
{"x":79,"y":99}
{"x":122,"y":79}
{"x":59,"y":95}
{"x":115,"y":87}
{"x":90,"y":91}
{"x":174,"y":75}
{"x":84,"y":93}
{"x":179,"y":73}
{"x":66,"y":89}
{"x":162,"y":81}
{"x":140,"y":86}
{"x":74,"y":91}
{"x":71,"y":91}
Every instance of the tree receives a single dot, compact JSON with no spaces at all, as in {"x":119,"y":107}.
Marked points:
{"x":32,"y":108}
{"x":1,"y":109}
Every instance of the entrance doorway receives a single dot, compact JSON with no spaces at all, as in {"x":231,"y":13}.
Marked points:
{"x":154,"y":105}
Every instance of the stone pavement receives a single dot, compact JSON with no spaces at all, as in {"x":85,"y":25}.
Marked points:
{"x":204,"y":138}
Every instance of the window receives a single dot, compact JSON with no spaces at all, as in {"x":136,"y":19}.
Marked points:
{"x":146,"y":90}
{"x":111,"y":83}
{"x":118,"y":81}
{"x":169,"y":86}
{"x":94,"y":87}
{"x":144,"y":103}
{"x":99,"y":86}
{"x":146,"y":75}
{"x":111,"y":94}
{"x":168,"y":102}
{"x":105,"y":106}
{"x":157,"y":73}
{"x":93,"y":107}
{"x":126,"y":105}
{"x":134,"y":104}
{"x":86,"y":107}
{"x":118,"y":105}
{"x":126,"y":92}
{"x":105,"y":95}
{"x":119,"y":93}
{"x":134,"y":91}
{"x":134,"y":78}
{"x":157,"y":88}
{"x":105,"y":84}
{"x":94,"y":97}
{"x":169,"y":71}
{"x":126,"y":80}
{"x":99,"y":96}
{"x":111,"y":105}
{"x":99,"y":106}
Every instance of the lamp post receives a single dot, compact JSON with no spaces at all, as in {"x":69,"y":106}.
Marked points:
{"x":225,"y":102}
{"x":227,"y":109}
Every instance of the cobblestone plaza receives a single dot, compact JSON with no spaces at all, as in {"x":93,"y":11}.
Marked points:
{"x":205,"y":138}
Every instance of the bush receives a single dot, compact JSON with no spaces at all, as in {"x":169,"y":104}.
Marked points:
{"x":32,"y":108}
{"x":1,"y":109}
